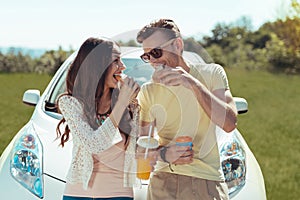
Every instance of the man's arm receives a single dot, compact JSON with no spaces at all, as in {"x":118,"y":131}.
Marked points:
{"x":218,"y":105}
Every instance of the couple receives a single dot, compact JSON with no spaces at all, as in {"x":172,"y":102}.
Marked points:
{"x":103,"y":117}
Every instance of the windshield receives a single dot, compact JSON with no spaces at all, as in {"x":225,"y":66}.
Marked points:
{"x":136,"y":68}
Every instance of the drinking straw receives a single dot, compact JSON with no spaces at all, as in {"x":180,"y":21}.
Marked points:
{"x":149,"y":137}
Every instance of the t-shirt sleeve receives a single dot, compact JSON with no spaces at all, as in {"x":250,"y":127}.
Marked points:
{"x":94,"y":141}
{"x":220,"y":80}
{"x":213,"y":76}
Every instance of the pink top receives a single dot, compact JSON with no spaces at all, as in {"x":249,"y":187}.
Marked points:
{"x":100,"y":166}
{"x":107,"y":176}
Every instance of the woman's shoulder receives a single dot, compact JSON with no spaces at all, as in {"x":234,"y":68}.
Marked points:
{"x":69,"y":101}
{"x":66,"y":98}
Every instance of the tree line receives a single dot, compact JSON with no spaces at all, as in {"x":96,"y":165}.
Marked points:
{"x":48,"y":62}
{"x":275,"y":47}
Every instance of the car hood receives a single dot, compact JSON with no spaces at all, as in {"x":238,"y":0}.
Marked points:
{"x":56,"y":159}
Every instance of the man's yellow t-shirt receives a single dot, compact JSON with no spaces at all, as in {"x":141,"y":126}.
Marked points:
{"x":177,"y":112}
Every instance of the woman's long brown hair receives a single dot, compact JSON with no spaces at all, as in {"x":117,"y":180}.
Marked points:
{"x":85,"y":79}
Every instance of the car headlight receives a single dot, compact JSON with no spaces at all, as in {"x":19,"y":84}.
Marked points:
{"x":26,"y":164}
{"x":233,"y":164}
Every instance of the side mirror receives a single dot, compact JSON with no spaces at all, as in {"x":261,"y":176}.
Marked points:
{"x":241,"y":105}
{"x":31,"y":97}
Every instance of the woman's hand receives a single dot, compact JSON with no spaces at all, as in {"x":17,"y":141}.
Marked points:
{"x":128,"y":91}
{"x":152,"y":155}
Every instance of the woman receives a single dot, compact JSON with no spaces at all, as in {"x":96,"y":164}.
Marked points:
{"x":102,"y":124}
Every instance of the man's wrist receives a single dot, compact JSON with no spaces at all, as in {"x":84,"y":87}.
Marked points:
{"x":162,"y":153}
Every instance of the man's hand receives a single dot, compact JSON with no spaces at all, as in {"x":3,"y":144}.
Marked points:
{"x":179,"y":154}
{"x":173,"y":77}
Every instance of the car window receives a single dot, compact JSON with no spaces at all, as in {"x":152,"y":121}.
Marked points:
{"x":58,"y":89}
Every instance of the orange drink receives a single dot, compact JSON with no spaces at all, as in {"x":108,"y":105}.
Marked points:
{"x":143,"y":168}
{"x":145,"y":144}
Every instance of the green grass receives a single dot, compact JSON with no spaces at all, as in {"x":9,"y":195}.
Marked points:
{"x":14,"y":114}
{"x":271,"y":127}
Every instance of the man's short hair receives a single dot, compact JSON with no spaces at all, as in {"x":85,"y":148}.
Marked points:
{"x":167,"y":26}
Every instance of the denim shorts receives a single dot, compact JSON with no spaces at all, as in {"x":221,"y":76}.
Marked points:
{"x":91,"y":198}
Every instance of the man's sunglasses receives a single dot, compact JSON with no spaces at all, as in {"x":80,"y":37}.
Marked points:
{"x":156,"y":52}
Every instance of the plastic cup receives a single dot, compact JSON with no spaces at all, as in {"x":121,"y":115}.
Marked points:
{"x":184,"y":141}
{"x":145,"y":145}
{"x":144,"y":168}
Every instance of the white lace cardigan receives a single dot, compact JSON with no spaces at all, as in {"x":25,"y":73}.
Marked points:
{"x":87,"y":141}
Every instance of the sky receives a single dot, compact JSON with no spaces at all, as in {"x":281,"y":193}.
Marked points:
{"x":67,"y":23}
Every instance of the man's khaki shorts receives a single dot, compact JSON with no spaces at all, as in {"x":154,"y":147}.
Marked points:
{"x":167,"y":186}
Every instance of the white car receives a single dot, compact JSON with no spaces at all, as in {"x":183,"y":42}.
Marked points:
{"x":34,"y":166}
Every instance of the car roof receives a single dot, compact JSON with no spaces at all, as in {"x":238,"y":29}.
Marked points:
{"x":135,"y":52}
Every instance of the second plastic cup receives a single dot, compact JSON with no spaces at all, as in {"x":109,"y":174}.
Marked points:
{"x":184,"y":141}
{"x":145,"y":145}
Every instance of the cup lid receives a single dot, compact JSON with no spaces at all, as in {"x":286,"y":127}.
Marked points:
{"x":184,"y":139}
{"x":146,"y":142}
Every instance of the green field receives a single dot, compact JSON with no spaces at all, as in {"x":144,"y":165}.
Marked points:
{"x":270,"y":127}
{"x":14,"y":114}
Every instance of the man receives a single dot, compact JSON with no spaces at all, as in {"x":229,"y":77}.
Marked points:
{"x":184,"y":99}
